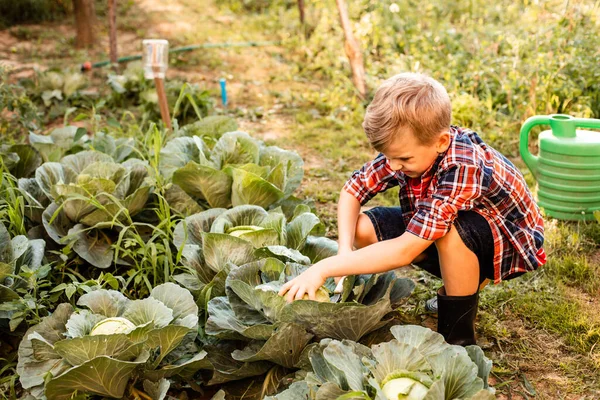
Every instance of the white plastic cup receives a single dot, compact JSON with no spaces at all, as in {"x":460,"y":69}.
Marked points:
{"x":155,"y":58}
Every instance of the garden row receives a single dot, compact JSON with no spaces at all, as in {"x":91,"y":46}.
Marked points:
{"x":166,"y":253}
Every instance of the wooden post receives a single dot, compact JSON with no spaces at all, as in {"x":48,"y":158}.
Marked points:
{"x":162,"y":102}
{"x":112,"y":29}
{"x":352,"y":50}
{"x":85,"y":20}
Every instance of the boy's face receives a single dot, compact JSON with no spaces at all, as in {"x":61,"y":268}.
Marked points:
{"x":408,"y":155}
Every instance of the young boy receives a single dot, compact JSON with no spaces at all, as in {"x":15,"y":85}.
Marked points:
{"x":456,"y":193}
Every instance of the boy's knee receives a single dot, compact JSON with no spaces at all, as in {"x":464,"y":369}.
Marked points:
{"x":449,"y":241}
{"x":365,"y":232}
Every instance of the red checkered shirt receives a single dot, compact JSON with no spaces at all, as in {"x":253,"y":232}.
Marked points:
{"x":470,"y":175}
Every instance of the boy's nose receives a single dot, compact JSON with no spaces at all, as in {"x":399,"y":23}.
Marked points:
{"x":396,"y":166}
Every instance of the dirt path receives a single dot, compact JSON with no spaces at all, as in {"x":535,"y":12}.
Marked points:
{"x":251,"y":73}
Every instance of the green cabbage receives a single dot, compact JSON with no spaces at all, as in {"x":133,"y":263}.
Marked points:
{"x":89,"y":194}
{"x":97,"y":350}
{"x":404,"y":389}
{"x":417,"y":364}
{"x":112,"y":326}
{"x":237,"y":170}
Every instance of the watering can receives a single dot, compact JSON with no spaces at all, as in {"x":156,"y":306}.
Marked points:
{"x":567,"y":168}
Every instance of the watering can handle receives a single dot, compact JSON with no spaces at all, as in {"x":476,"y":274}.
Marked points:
{"x":530,"y":160}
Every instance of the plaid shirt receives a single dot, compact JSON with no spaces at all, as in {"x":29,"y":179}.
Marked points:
{"x":470,"y":175}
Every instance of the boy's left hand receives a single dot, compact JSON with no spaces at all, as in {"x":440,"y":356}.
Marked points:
{"x":306,"y":283}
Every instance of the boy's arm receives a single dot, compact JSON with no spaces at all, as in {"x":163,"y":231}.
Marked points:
{"x":376,"y":258}
{"x":348,"y":211}
{"x":374,"y":177}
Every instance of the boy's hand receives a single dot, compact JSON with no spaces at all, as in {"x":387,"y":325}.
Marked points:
{"x":306,"y":283}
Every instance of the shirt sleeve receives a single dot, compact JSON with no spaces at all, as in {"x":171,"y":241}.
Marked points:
{"x":458,"y":189}
{"x":374,"y":177}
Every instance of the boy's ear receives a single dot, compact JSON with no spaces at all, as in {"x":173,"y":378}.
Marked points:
{"x":443,"y":142}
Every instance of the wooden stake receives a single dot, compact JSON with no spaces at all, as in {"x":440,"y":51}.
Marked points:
{"x":162,"y":102}
{"x":112,"y":29}
{"x":352,"y":50}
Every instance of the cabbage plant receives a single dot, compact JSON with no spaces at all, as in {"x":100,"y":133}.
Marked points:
{"x":237,"y":170}
{"x":72,"y":139}
{"x":110,"y":341}
{"x":214,"y":240}
{"x":59,"y":142}
{"x":58,"y":86}
{"x":210,"y":128}
{"x":20,"y":160}
{"x":416,"y":365}
{"x":277,"y":332}
{"x":19,"y":257}
{"x":88,"y":192}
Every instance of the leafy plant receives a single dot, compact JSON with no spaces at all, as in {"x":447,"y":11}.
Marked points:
{"x":416,"y":365}
{"x":253,"y":313}
{"x":20,"y":160}
{"x":31,"y":11}
{"x":58,"y":86}
{"x":237,"y":170}
{"x":131,"y":88}
{"x":59,"y":142}
{"x":56,"y":92}
{"x":210,"y":129}
{"x":99,"y":350}
{"x":89,"y":192}
{"x":14,"y":98}
{"x":21,"y":265}
{"x":213,"y":241}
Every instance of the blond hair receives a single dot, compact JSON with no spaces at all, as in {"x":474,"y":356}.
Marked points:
{"x":407,"y":100}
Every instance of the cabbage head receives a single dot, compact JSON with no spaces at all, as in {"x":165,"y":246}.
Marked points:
{"x":60,"y":85}
{"x":100,"y":348}
{"x":210,"y":128}
{"x":416,"y":365}
{"x":89,"y":191}
{"x":274,"y":331}
{"x":237,"y":170}
{"x":213,"y":240}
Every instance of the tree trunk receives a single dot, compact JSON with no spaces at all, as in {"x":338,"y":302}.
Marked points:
{"x":112,"y":29}
{"x":85,"y":19}
{"x":301,"y":10}
{"x":352,"y":50}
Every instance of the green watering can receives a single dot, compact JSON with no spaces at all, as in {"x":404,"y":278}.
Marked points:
{"x":567,"y":168}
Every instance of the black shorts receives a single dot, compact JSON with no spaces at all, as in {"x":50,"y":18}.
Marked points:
{"x":473,"y":229}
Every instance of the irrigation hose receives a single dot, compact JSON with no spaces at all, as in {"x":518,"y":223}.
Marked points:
{"x":87,"y":66}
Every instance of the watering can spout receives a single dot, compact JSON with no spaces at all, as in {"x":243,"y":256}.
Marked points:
{"x":530,"y":160}
{"x":587,"y":123}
